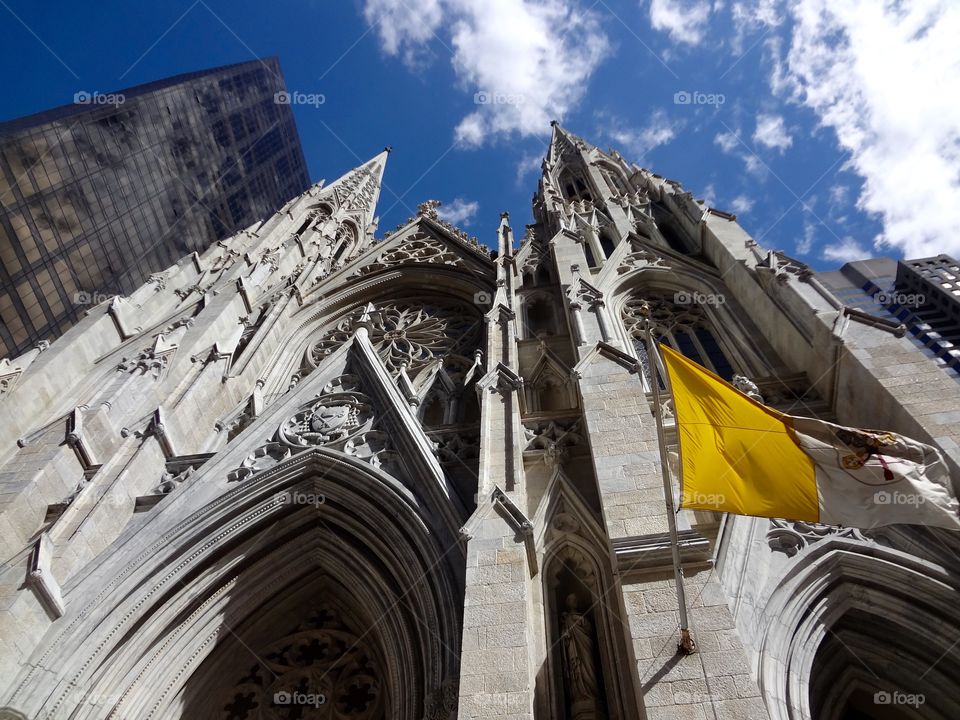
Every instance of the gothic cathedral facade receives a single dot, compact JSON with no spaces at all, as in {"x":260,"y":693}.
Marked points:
{"x":313,"y":474}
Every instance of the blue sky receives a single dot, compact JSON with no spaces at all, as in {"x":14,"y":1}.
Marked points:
{"x":831,"y":128}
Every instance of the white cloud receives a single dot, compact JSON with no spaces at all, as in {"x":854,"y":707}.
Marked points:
{"x":838,"y":194}
{"x":684,"y":21}
{"x":773,"y":56}
{"x":809,"y":234}
{"x":710,"y":196}
{"x":884,"y":77}
{"x":636,"y":143}
{"x":459,"y":212}
{"x":741,"y":204}
{"x":404,"y":26}
{"x":754,"y":165}
{"x":844,"y":251}
{"x":528,"y":165}
{"x":727,"y":141}
{"x":523,"y":62}
{"x":772,"y":133}
{"x":748,"y":16}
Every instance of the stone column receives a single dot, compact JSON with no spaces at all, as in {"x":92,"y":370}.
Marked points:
{"x":496,"y":670}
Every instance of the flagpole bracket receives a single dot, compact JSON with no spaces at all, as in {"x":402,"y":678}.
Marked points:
{"x":687,"y":644}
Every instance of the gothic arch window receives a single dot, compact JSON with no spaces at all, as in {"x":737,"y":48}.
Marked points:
{"x":434,"y":410}
{"x":614,"y":180}
{"x":543,"y":276}
{"x":322,"y":657}
{"x":552,"y":393}
{"x":411,"y":332}
{"x":607,"y":242}
{"x":346,"y":240}
{"x":316,"y":216}
{"x":549,"y":389}
{"x":680,"y":321}
{"x":574,"y":187}
{"x":540,"y":318}
{"x":448,"y":401}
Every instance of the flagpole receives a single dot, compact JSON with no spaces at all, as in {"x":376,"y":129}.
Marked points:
{"x":686,"y":644}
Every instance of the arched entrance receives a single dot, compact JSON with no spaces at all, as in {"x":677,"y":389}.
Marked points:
{"x":860,"y":631}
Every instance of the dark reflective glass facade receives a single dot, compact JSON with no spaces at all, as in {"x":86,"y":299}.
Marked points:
{"x":96,"y":196}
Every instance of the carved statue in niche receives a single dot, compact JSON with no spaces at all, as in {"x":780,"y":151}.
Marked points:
{"x":747,"y":387}
{"x":580,"y":673}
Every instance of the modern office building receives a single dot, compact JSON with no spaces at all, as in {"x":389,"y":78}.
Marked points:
{"x":99,"y":194}
{"x":922,"y":295}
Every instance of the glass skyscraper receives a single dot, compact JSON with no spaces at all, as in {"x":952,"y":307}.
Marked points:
{"x":99,"y":194}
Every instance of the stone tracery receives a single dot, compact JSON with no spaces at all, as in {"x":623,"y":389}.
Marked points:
{"x":323,"y":670}
{"x":409,"y":332}
{"x":419,"y":248}
{"x":680,"y":321}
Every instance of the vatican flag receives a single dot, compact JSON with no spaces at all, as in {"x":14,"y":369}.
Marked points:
{"x":742,"y":457}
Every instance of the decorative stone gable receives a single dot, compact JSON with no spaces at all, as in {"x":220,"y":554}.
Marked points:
{"x":341,"y":417}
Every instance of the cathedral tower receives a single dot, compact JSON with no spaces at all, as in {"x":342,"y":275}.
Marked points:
{"x":316,"y":472}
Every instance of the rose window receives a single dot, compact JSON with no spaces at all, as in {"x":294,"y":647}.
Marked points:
{"x":410,"y":333}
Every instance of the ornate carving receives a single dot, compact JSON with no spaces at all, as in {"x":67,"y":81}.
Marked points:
{"x":153,"y":360}
{"x":535,"y":258}
{"x":159,"y":280}
{"x":553,"y":439}
{"x":583,"y":294}
{"x":581,"y":674}
{"x":335,"y":417}
{"x":322,"y":670}
{"x":419,"y":249}
{"x":340,"y":417}
{"x":410,"y":332}
{"x":264,"y":457}
{"x":747,"y":387}
{"x":640,"y":258}
{"x":186,"y":321}
{"x":442,"y":703}
{"x":456,"y":448}
{"x":169,"y":482}
{"x":9,"y":375}
{"x":428,"y":208}
{"x":666,"y":315}
{"x":782,"y":267}
{"x":790,"y":537}
{"x":356,"y":190}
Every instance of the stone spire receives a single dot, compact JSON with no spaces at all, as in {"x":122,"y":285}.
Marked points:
{"x":358,"y":191}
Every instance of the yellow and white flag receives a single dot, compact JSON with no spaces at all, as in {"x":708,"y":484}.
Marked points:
{"x":743,"y":457}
